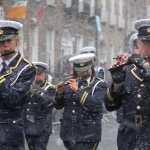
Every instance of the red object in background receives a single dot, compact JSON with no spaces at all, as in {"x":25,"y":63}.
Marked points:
{"x":40,"y":13}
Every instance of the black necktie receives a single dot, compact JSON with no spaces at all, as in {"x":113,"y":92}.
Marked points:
{"x":4,"y":68}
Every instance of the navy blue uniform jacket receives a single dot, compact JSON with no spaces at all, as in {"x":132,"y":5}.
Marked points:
{"x":134,"y":97}
{"x":14,"y":85}
{"x":38,"y":110}
{"x":82,"y":114}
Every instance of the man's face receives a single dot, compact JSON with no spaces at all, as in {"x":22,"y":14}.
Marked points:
{"x":8,"y":45}
{"x":135,"y":49}
{"x":40,"y":77}
{"x":144,"y":48}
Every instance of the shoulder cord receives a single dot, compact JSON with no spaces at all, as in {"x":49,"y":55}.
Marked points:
{"x":19,"y":75}
{"x":95,"y":87}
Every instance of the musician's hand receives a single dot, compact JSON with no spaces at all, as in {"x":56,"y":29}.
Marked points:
{"x":73,"y":84}
{"x":118,"y":75}
{"x":137,"y":60}
{"x":60,"y":90}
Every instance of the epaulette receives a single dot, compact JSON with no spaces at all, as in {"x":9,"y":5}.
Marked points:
{"x":51,"y":85}
{"x":96,"y":66}
{"x":27,"y":61}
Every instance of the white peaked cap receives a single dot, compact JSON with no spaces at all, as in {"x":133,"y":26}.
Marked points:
{"x":42,"y":64}
{"x":12,"y":24}
{"x":82,"y":62}
{"x":88,"y":49}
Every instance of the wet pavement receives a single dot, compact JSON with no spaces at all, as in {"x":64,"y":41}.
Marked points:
{"x":109,"y":135}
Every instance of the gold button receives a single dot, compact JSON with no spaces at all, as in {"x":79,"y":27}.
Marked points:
{"x":29,"y":103}
{"x":73,"y":111}
{"x":139,"y":95}
{"x":27,"y":116}
{"x":74,"y":103}
{"x":142,"y":85}
{"x":138,"y":107}
{"x":27,"y":109}
{"x":149,"y":98}
{"x":93,"y":122}
{"x":14,"y":121}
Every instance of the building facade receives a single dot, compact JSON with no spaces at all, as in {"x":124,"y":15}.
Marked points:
{"x":55,"y":30}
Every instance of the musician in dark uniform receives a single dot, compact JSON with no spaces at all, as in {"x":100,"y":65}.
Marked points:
{"x":38,"y":110}
{"x":130,"y":89}
{"x":99,"y":71}
{"x":82,"y":100}
{"x":135,"y":50}
{"x":16,"y":77}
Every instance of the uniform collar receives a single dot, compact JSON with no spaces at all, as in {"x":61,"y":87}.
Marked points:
{"x":8,"y":61}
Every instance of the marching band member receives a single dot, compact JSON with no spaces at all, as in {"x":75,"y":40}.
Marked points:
{"x":130,"y":89}
{"x":38,"y":110}
{"x":82,"y":100}
{"x":16,"y":77}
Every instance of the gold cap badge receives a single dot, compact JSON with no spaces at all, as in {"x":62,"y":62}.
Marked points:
{"x":148,"y":29}
{"x":82,"y":64}
{"x":1,"y":31}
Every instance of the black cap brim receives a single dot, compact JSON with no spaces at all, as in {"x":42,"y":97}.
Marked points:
{"x":5,"y":37}
{"x":144,"y":37}
{"x":82,"y":69}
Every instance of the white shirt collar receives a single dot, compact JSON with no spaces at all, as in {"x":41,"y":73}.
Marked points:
{"x":88,"y":80}
{"x":8,"y":61}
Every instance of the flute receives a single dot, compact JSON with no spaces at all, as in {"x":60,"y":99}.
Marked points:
{"x":7,"y":53}
{"x":66,"y":83}
{"x":126,"y":63}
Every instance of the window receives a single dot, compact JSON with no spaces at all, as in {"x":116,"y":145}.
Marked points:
{"x":135,"y":9}
{"x":111,"y":54}
{"x":112,"y":13}
{"x":148,"y":11}
{"x":50,"y":2}
{"x":33,"y":43}
{"x":79,"y":43}
{"x":68,"y":3}
{"x":92,"y":8}
{"x":50,"y":50}
{"x":80,"y":6}
{"x":91,"y":41}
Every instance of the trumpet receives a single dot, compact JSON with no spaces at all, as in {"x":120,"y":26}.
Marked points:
{"x":66,"y":83}
{"x":125,"y":64}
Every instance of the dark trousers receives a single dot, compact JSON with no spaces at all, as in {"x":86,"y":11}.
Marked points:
{"x":80,"y":145}
{"x":37,"y":142}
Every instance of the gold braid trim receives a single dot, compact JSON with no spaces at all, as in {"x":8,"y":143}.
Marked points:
{"x":27,"y":61}
{"x":137,"y":77}
{"x":109,"y":96}
{"x":2,"y":77}
{"x":95,"y":146}
{"x":83,"y":98}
